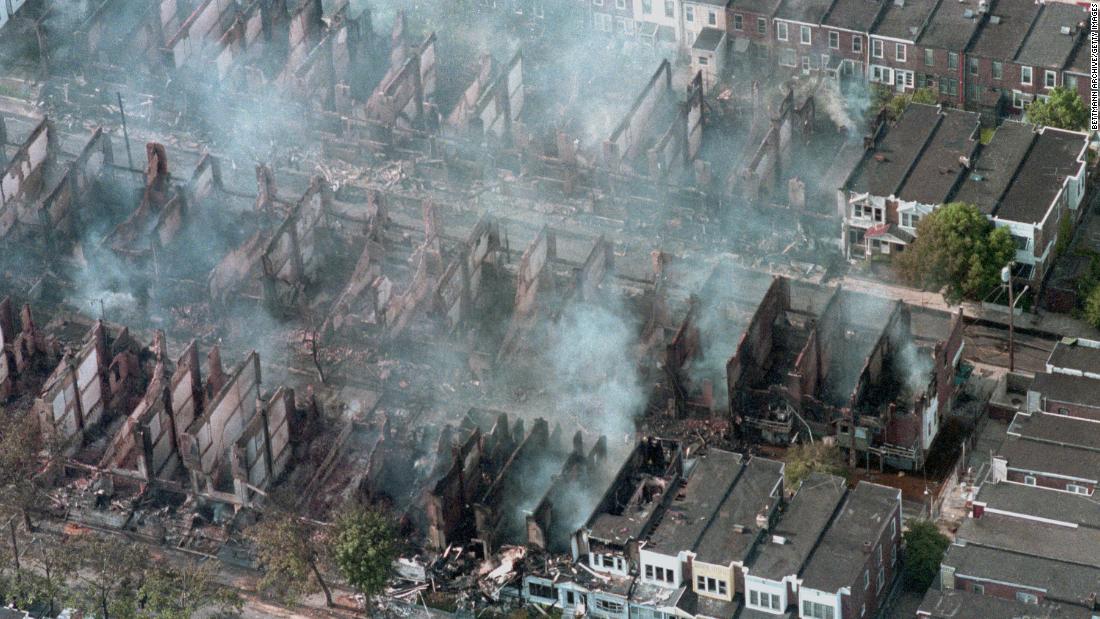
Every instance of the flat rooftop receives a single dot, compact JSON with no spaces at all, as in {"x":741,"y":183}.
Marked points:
{"x":995,"y":166}
{"x":1040,"y":502}
{"x":1079,"y":546}
{"x":709,"y":39}
{"x":840,"y":557}
{"x":756,"y":491}
{"x":1053,"y":158}
{"x":857,"y":15}
{"x":692,"y":509}
{"x":937,"y":172}
{"x":1005,"y":29}
{"x":952,"y":25}
{"x":1067,"y":389}
{"x":903,"y":22}
{"x":805,"y":11}
{"x":1075,"y":354}
{"x":959,"y":604}
{"x":1053,"y":38}
{"x":1064,"y":582}
{"x":884,"y":168}
{"x":799,"y":527}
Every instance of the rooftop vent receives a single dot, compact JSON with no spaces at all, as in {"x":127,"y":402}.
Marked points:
{"x":977,"y":177}
{"x":761,"y":520}
{"x":994,"y":19}
{"x":1066,"y":30}
{"x":879,"y":157}
{"x":964,"y":161}
{"x":779,"y":539}
{"x":899,"y":2}
{"x":739,"y":528}
{"x":969,"y":14}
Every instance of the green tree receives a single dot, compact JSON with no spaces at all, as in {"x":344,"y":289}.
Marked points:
{"x":924,"y":548}
{"x":364,"y":547}
{"x":1092,"y":307}
{"x":181,"y":591}
{"x":895,"y":103}
{"x":957,"y":250}
{"x":289,"y":549}
{"x":108,"y":574}
{"x":1063,"y":109}
{"x":806,"y":458}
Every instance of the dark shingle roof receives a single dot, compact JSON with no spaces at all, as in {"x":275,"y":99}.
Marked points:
{"x":1046,"y":45}
{"x":721,"y":544}
{"x":1053,"y":157}
{"x":960,"y":604}
{"x":806,"y":11}
{"x":800,"y":527}
{"x":685,"y":519}
{"x":995,"y":166}
{"x":882,"y":171}
{"x":1067,"y":389}
{"x":760,"y":7}
{"x":938,"y":171}
{"x":857,"y":15}
{"x":708,"y":39}
{"x":904,"y":22}
{"x":1036,"y":501}
{"x":840,"y":557}
{"x":952,"y":25}
{"x":1075,"y":355}
{"x":1078,"y":546}
{"x":1062,"y":581}
{"x":1002,"y":39}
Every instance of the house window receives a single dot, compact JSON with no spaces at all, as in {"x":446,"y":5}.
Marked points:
{"x":1078,"y":489}
{"x":1029,"y":480}
{"x":1062,"y":410}
{"x":866,"y":579}
{"x":876,"y":48}
{"x":711,"y":585}
{"x":1050,"y":79}
{"x":1070,"y":81}
{"x":762,"y":599}
{"x":949,"y":87}
{"x":1020,"y":100}
{"x":787,"y":57}
{"x":814,"y":610}
{"x":805,"y":35}
{"x":952,"y":61}
{"x":608,"y":606}
{"x":973,"y":62}
{"x":909,"y":220}
{"x":834,"y":39}
{"x":905,"y":78}
{"x":538,"y":9}
{"x":647,"y":6}
{"x":603,"y":21}
{"x":712,"y":18}
{"x":857,"y":44}
{"x":702,"y":60}
{"x":620,"y":4}
{"x":649,"y":572}
{"x":899,"y":52}
{"x":781,"y":31}
{"x":929,"y":58}
{"x":670,"y":8}
{"x":976,"y":588}
{"x":805,"y":64}
{"x":998,"y":70}
{"x":882,"y":75}
{"x":1025,"y":76}
{"x":689,"y":13}
{"x":738,"y":21}
{"x":626,"y":25}
{"x":881,"y":580}
{"x":1027,"y":598}
{"x":761,"y":25}
{"x":539,"y":590}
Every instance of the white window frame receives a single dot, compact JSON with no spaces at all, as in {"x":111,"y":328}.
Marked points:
{"x":712,"y":18}
{"x":738,"y":21}
{"x":689,"y":13}
{"x":1030,"y":480}
{"x":1078,"y":489}
{"x":876,"y":48}
{"x":781,"y":30}
{"x":997,"y":70}
{"x":805,"y":35}
{"x":834,"y":39}
{"x":1027,"y":597}
{"x":793,"y":57}
{"x":900,"y":52}
{"x":1026,"y":71}
{"x":670,"y":8}
{"x":1050,"y":79}
{"x":857,"y":44}
{"x":866,"y":579}
{"x":761,"y":26}
{"x":976,"y":587}
{"x":620,"y":4}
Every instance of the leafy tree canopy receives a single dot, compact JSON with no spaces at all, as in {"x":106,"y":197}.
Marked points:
{"x":1064,"y":109}
{"x":805,"y":458}
{"x":957,"y":249}
{"x":364,"y":547}
{"x":924,"y":548}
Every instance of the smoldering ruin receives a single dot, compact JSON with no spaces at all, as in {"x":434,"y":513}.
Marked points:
{"x":501,"y":287}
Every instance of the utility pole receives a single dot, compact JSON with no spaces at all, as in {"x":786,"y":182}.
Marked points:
{"x":1006,"y":277}
{"x":125,"y":134}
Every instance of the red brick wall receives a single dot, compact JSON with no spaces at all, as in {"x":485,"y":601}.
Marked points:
{"x":1056,"y":483}
{"x":994,"y":589}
